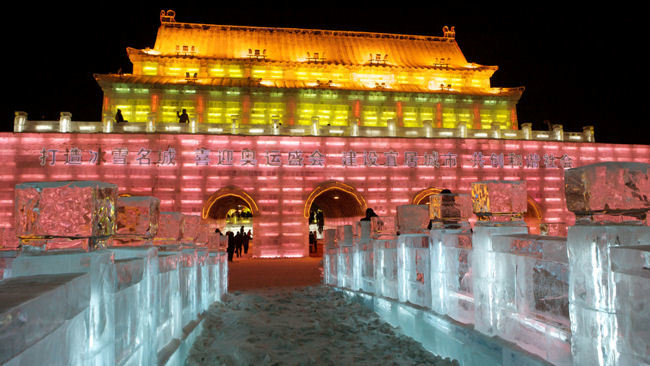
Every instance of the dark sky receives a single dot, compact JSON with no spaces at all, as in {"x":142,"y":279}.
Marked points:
{"x":580,"y":66}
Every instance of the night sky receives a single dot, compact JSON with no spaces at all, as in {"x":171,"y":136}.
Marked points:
{"x":580,"y":66}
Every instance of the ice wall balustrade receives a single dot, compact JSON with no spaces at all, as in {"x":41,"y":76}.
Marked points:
{"x":351,"y":129}
{"x":125,"y":303}
{"x":575,"y":300}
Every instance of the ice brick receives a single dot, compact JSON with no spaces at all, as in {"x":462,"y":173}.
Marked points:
{"x":344,"y":234}
{"x":8,"y":239}
{"x":386,"y":262}
{"x":203,"y":235}
{"x":612,"y":188}
{"x":191,"y":227}
{"x":499,"y":200}
{"x":414,"y":269}
{"x":450,"y":209}
{"x":34,"y":306}
{"x":74,"y":209}
{"x":138,"y":216}
{"x":412,"y":219}
{"x":170,"y":226}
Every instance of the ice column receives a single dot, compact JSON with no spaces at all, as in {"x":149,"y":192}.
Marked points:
{"x":500,"y":206}
{"x":330,"y":258}
{"x":603,"y":196}
{"x":364,"y":255}
{"x":449,"y":245}
{"x":65,"y":215}
{"x":345,"y":267}
{"x":413,"y":255}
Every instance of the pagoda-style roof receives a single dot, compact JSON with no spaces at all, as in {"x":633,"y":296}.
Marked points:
{"x":302,"y":45}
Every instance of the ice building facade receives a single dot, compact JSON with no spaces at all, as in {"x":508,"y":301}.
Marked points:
{"x":286,"y":122}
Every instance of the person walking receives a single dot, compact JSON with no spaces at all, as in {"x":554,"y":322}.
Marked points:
{"x":247,"y":238}
{"x":239,"y":242}
{"x":231,"y":245}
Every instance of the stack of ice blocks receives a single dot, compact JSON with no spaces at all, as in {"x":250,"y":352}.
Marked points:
{"x":610,"y":201}
{"x":450,"y":245}
{"x":137,"y":220}
{"x":330,"y":258}
{"x":170,"y":229}
{"x":364,"y":252}
{"x":500,"y":206}
{"x":413,"y":249}
{"x":532,"y":294}
{"x":345,"y":256}
{"x":65,"y":215}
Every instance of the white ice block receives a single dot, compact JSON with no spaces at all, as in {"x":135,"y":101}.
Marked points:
{"x":191,"y":228}
{"x":35,"y":307}
{"x":386,"y":262}
{"x":75,"y":209}
{"x":414,"y":269}
{"x":188,"y":285}
{"x":450,"y":209}
{"x":170,"y":313}
{"x":456,"y":296}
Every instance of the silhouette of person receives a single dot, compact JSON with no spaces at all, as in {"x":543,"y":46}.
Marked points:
{"x":118,"y":117}
{"x":239,"y":242}
{"x":315,"y":242}
{"x":247,"y":238}
{"x":370,"y":213}
{"x":231,"y":245}
{"x":183,"y":118}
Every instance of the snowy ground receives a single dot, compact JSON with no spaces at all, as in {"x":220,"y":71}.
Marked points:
{"x":312,"y":325}
{"x":277,"y":313}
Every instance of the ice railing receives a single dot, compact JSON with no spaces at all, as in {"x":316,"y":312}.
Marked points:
{"x":568,"y":300}
{"x":140,"y":282}
{"x":66,"y":125}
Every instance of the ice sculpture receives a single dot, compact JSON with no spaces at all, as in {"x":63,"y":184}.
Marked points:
{"x":170,"y":226}
{"x":137,"y":220}
{"x":61,"y":215}
{"x":412,"y":219}
{"x":499,"y":200}
{"x":594,"y":308}
{"x":605,"y":190}
{"x":500,"y":206}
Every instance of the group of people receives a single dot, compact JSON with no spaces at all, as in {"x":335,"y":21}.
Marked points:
{"x":182,"y":117}
{"x":237,"y":243}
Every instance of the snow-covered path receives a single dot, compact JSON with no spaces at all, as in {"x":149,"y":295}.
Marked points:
{"x":312,"y":325}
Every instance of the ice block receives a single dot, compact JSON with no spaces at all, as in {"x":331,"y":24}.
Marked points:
{"x":73,"y":209}
{"x":8,"y":239}
{"x":608,"y":189}
{"x":449,"y":209}
{"x":499,"y":200}
{"x":170,"y":226}
{"x":190,"y":228}
{"x":137,"y":216}
{"x":412,"y":219}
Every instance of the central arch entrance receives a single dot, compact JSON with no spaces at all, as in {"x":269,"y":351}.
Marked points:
{"x":332,"y":204}
{"x":231,"y":208}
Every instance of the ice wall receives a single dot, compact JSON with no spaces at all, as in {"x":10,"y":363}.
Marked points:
{"x":127,"y":303}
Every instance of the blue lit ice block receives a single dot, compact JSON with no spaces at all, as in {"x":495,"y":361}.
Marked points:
{"x":386,"y":262}
{"x":365,"y":257}
{"x":532,"y":288}
{"x":345,"y":257}
{"x":631,"y":266}
{"x":99,"y":265}
{"x":188,"y":285}
{"x":330,"y":258}
{"x":414,"y":270}
{"x":456,"y":297}
{"x":45,"y":320}
{"x":170,"y":313}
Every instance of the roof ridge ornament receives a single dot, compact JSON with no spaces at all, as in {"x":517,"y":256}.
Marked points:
{"x":449,"y":32}
{"x":168,"y":16}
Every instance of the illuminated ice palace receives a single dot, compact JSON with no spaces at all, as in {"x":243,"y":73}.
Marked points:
{"x":543,"y":241}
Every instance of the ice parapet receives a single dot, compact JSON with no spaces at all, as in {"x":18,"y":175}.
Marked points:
{"x":498,"y":200}
{"x":449,"y":209}
{"x":170,"y":226}
{"x":138,"y":216}
{"x":611,"y":188}
{"x":76,"y":209}
{"x":412,"y":218}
